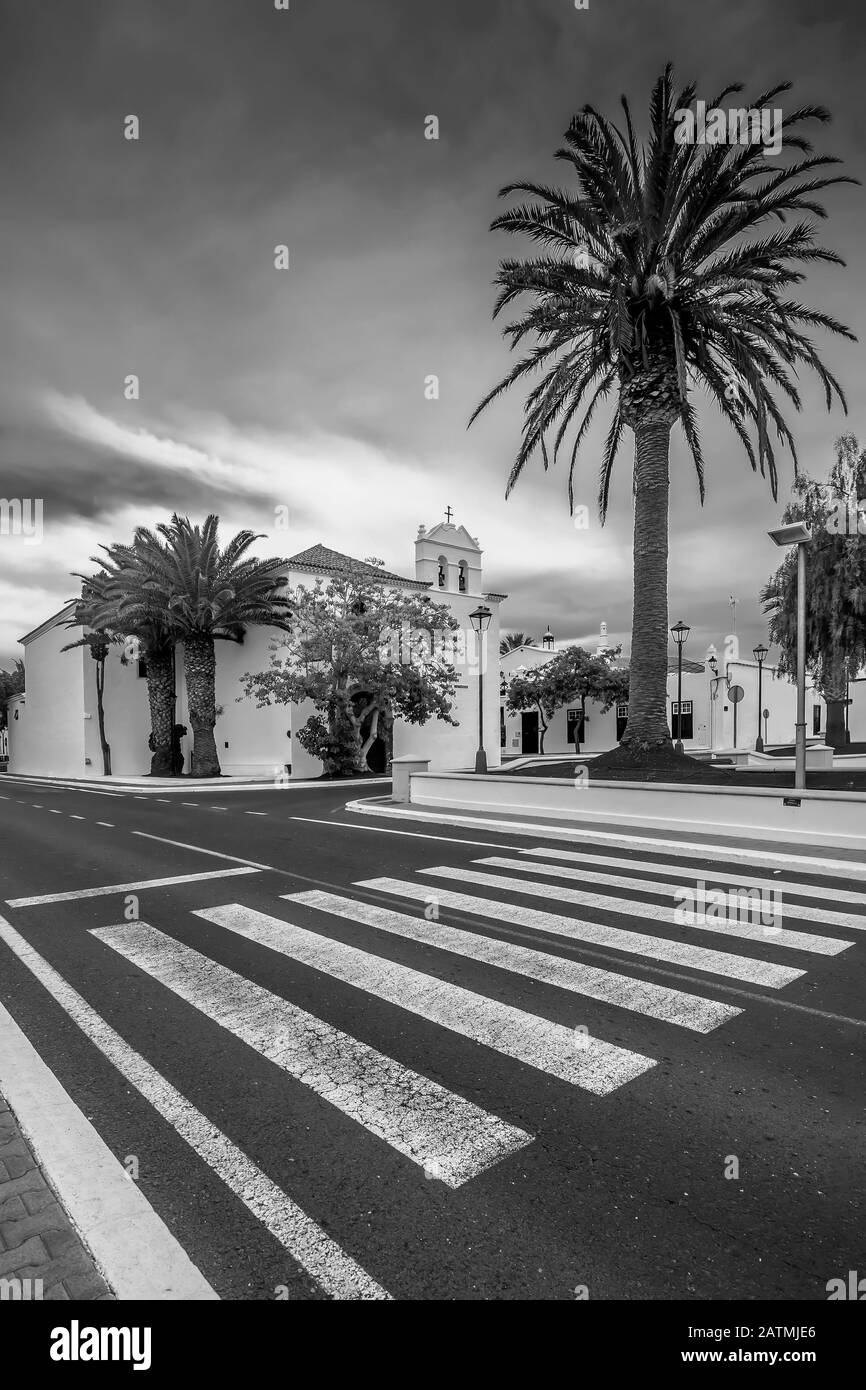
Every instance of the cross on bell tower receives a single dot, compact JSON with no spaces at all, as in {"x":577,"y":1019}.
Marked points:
{"x":448,"y":514}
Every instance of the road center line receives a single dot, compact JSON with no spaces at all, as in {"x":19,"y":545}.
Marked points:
{"x":125,"y":887}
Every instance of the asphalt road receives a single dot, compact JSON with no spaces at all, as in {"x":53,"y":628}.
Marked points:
{"x":474,"y":1153}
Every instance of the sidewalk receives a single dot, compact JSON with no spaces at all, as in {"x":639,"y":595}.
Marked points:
{"x":181,"y":786}
{"x":531,"y":824}
{"x":37,"y":1239}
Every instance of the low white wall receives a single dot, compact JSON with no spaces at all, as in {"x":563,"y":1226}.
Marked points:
{"x":821,"y":818}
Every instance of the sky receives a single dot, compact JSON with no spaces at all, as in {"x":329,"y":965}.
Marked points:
{"x":292,"y":401}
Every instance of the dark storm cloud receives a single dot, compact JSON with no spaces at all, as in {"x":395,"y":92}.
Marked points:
{"x":306,"y":127}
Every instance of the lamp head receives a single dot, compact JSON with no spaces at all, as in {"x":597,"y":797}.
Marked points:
{"x":480,"y":618}
{"x":795,"y":533}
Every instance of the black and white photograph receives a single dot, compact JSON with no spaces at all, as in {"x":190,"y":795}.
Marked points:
{"x":433,"y":513}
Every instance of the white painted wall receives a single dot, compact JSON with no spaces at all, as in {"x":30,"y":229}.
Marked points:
{"x":48,"y":737}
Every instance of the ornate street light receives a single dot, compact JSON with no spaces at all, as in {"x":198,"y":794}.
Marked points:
{"x":760,"y":655}
{"x":480,"y":620}
{"x":679,"y":633}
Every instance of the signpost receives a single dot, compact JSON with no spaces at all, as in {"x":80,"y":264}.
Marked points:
{"x":736,"y":694}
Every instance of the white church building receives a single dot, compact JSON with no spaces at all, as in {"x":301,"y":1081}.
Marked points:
{"x":53,"y":726}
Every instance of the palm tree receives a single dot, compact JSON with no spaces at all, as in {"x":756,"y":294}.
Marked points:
{"x":124,"y":608}
{"x":510,"y":641}
{"x":202,"y":593}
{"x":651,"y":286}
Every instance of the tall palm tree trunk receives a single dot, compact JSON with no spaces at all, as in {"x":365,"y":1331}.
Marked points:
{"x":160,"y":696}
{"x":199,"y":664}
{"x":100,"y":715}
{"x":647,"y":701}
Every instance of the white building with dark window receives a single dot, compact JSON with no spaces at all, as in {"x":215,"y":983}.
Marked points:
{"x":713,"y":717}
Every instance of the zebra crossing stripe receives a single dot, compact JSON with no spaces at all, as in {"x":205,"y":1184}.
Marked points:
{"x":748,"y":930}
{"x":305,"y":1241}
{"x":788,"y":887}
{"x":655,"y":1001}
{"x":593,"y":1065}
{"x":635,"y":943}
{"x":441,"y":1132}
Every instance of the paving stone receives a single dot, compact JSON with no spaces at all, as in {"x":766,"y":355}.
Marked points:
{"x":16,"y":1165}
{"x":61,"y":1241}
{"x":89,"y":1285}
{"x":15,"y":1146}
{"x":11,"y":1208}
{"x":39,"y":1200}
{"x":57,"y":1291}
{"x":47,"y":1222}
{"x":32,"y":1252}
{"x":58,"y":1271}
{"x":29,"y":1182}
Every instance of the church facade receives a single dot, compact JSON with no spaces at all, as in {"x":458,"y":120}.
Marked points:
{"x":54,"y":729}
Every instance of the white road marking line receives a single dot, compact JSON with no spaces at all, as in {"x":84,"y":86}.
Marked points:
{"x":576,"y":832}
{"x":107,"y":823}
{"x":163,"y":800}
{"x":595,"y":1066}
{"x":133,"y":1247}
{"x":52,"y":812}
{"x":655,"y":1001}
{"x":711,"y":875}
{"x":71,"y":817}
{"x":748,"y":929}
{"x":218,"y":808}
{"x":140,"y":798}
{"x":37,"y":805}
{"x":126,"y":887}
{"x":214,"y":853}
{"x":196,"y":804}
{"x":255,"y":813}
{"x":440,"y":1131}
{"x":757,"y":972}
{"x":299,"y":1235}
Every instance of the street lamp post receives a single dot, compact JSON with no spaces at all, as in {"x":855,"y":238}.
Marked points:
{"x":480,"y":620}
{"x":760,"y":655}
{"x":679,"y":633}
{"x":797,"y":533}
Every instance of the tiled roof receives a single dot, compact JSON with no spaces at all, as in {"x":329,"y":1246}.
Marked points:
{"x":695,"y":667}
{"x":321,"y":559}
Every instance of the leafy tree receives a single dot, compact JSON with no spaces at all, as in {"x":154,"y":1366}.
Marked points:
{"x":573,"y":674}
{"x":652,"y":284}
{"x":11,"y":683}
{"x":510,"y":641}
{"x":364,"y":655}
{"x":835,"y":583}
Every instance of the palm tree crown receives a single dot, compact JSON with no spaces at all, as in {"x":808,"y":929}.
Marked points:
{"x":510,"y":641}
{"x":653,"y":283}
